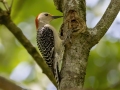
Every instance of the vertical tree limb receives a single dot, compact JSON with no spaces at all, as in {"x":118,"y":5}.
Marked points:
{"x":75,"y":55}
{"x":80,"y":39}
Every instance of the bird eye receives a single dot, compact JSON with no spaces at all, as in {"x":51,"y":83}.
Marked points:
{"x":46,"y":14}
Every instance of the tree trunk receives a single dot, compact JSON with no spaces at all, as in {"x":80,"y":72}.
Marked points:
{"x":75,"y":34}
{"x":79,"y":40}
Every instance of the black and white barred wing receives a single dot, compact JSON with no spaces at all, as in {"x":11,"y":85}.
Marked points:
{"x":45,"y":41}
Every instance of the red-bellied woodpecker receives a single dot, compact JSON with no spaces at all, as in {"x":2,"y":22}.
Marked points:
{"x":48,"y":41}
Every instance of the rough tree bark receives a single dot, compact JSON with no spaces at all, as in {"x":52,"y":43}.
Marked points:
{"x":80,"y":39}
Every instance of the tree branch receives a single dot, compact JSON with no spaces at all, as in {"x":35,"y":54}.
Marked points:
{"x":9,"y":85}
{"x":6,"y":20}
{"x":75,"y":55}
{"x":107,"y":19}
{"x":78,"y":46}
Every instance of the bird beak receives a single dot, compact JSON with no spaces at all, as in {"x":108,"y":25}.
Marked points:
{"x":55,"y":17}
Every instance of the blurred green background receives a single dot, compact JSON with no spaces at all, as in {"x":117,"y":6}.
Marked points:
{"x":103,"y":70}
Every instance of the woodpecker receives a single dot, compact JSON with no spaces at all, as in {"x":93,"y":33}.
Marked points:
{"x":48,"y":41}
